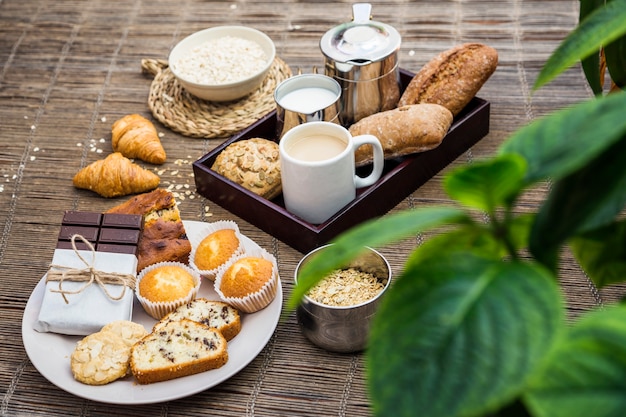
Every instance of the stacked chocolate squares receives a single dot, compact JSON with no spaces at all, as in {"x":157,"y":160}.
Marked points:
{"x":91,"y":278}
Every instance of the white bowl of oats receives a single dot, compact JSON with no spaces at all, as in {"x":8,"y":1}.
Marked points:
{"x":222,"y":63}
{"x":336,"y":313}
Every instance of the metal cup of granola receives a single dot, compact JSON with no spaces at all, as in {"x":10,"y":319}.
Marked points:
{"x":336,"y":313}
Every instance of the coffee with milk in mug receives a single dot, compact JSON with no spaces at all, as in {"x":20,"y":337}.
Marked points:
{"x":318,"y":171}
{"x":316,"y":148}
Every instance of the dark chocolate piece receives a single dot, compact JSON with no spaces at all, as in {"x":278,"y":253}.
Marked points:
{"x":108,"y":232}
{"x":115,"y":248}
{"x":89,"y":233}
{"x":82,"y":218}
{"x":66,"y":244}
{"x":124,"y":236}
{"x":125,"y":221}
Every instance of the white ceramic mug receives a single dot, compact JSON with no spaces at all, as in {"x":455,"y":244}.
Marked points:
{"x":318,"y":170}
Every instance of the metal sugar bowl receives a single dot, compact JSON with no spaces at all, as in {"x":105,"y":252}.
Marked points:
{"x":362,"y":55}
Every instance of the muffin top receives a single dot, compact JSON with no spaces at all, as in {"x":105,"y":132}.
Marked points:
{"x":246,"y":276}
{"x":216,"y":249}
{"x":166,"y":283}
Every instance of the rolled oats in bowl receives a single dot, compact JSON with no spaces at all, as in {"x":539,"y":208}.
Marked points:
{"x":222,"y":63}
{"x":347,"y":287}
{"x":219,"y":61}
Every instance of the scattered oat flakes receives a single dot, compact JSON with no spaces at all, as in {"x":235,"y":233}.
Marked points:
{"x":346,"y":287}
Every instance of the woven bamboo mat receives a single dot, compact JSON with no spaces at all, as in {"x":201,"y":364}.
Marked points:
{"x":182,"y":112}
{"x":69,"y":69}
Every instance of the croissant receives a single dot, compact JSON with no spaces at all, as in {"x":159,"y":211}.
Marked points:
{"x":115,"y":176}
{"x":134,"y":136}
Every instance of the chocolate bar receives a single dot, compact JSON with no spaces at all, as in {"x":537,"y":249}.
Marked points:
{"x":107,"y":232}
{"x":84,"y":309}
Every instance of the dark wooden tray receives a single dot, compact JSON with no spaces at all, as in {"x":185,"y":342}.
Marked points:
{"x":400,"y":178}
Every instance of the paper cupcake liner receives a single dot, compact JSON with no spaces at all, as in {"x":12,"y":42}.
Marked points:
{"x":159,"y":309}
{"x":206,"y":231}
{"x":258,"y":300}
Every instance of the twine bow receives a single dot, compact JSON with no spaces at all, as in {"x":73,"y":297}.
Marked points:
{"x":88,"y":275}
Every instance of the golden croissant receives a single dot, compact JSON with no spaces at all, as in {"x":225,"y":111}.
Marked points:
{"x":115,"y":176}
{"x":134,"y":136}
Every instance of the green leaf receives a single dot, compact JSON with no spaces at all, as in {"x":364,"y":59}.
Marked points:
{"x":586,"y":375}
{"x":373,"y":233}
{"x":591,"y":64}
{"x":556,"y":145}
{"x":472,"y":237}
{"x":487,"y":185}
{"x":477,"y":238}
{"x":599,"y":28}
{"x":585,"y":200}
{"x":459,"y":335}
{"x":615,"y":54}
{"x":602,"y":253}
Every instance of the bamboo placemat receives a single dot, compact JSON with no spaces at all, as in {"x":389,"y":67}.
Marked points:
{"x":197,"y":118}
{"x":69,"y":68}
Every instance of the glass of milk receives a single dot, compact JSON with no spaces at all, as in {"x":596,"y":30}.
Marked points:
{"x":306,"y":98}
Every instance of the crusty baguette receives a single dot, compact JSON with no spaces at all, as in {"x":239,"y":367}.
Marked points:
{"x":402,"y":131}
{"x":453,"y":77}
{"x":179,"y":348}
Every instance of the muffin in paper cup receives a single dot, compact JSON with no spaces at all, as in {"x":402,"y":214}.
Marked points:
{"x":207,"y":265}
{"x":249,"y":281}
{"x":164,"y":286}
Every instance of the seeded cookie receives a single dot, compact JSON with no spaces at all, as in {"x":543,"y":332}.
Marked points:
{"x":129,"y":331}
{"x":252,"y":163}
{"x":100,"y":358}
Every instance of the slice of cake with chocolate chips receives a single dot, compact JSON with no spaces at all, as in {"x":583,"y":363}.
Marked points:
{"x":178,"y":348}
{"x":216,"y":314}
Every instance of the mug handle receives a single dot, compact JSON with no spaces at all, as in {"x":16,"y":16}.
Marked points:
{"x":379,"y":160}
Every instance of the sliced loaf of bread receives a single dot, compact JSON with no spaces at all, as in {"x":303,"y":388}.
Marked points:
{"x":178,"y":348}
{"x":216,"y":314}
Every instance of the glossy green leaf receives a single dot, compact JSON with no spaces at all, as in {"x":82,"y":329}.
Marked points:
{"x":587,"y":374}
{"x":487,"y":185}
{"x":459,"y":335}
{"x":599,"y":28}
{"x":602,"y":253}
{"x":556,"y":145}
{"x":373,"y":233}
{"x":615,"y":54}
{"x":478,"y":238}
{"x":591,"y":64}
{"x":472,"y":237}
{"x":585,"y":200}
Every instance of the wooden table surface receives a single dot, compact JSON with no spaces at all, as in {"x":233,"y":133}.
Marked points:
{"x":68,"y":69}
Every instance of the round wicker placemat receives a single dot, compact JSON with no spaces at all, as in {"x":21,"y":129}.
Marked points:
{"x":182,"y":112}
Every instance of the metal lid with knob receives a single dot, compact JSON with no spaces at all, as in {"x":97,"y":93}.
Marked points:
{"x":362,"y":41}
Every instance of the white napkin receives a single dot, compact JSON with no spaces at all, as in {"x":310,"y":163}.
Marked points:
{"x":88,"y":311}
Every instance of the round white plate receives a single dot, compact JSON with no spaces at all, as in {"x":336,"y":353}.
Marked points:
{"x":50,"y":352}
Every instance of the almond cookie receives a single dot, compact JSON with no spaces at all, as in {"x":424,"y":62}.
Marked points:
{"x":129,"y":331}
{"x":100,"y":358}
{"x":453,"y":77}
{"x":252,"y":163}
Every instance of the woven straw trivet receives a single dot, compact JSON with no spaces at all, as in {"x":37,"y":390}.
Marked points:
{"x":182,"y":112}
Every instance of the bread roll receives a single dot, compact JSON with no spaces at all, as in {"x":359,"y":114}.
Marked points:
{"x":453,"y":77}
{"x":402,"y":131}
